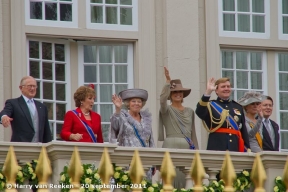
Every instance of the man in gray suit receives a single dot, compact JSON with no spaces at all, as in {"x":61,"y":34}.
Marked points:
{"x":27,"y":117}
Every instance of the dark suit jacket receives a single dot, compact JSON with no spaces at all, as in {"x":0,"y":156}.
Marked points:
{"x":267,"y":144}
{"x":22,"y":126}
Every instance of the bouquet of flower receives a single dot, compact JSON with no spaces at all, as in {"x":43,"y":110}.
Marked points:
{"x":19,"y":179}
{"x":279,"y":185}
{"x":89,"y":182}
{"x":122,"y":178}
{"x":29,"y":172}
{"x":243,"y":181}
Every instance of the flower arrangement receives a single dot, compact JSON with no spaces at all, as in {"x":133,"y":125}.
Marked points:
{"x":19,"y":179}
{"x":243,"y":181}
{"x":29,"y":172}
{"x":90,"y":180}
{"x":122,"y":178}
{"x":279,"y":185}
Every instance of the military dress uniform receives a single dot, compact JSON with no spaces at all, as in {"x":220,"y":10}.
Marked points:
{"x":223,"y":137}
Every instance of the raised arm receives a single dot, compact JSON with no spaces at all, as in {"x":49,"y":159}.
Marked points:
{"x":165,"y":92}
{"x":256,"y":128}
{"x":115,"y":119}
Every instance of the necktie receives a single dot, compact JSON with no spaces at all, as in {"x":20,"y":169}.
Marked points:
{"x":31,"y":106}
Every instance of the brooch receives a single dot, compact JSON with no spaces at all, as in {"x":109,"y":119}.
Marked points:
{"x":172,"y":86}
{"x":236,"y":118}
{"x":237,"y":112}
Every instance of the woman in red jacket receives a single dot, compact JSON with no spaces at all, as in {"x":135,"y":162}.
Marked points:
{"x":82,"y":124}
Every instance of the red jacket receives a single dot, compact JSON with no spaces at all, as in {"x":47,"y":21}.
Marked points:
{"x":72,"y":124}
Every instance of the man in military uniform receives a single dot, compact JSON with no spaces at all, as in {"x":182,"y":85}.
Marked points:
{"x":223,"y":118}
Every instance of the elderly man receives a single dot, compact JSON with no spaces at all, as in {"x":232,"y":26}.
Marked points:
{"x":223,"y":118}
{"x":27,"y":117}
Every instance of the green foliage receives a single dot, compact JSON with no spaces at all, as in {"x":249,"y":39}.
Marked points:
{"x":279,"y":185}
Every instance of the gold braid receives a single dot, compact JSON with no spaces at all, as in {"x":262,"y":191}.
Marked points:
{"x":223,"y":117}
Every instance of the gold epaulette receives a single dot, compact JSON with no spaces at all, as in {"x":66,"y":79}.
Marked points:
{"x":203,"y":103}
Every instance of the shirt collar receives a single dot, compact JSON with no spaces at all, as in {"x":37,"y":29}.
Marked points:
{"x":27,"y":99}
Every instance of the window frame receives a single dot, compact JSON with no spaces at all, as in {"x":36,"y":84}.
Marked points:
{"x":281,"y":35}
{"x":114,"y":27}
{"x":67,"y":75}
{"x":130,"y":72}
{"x":49,"y":23}
{"x":235,"y":33}
{"x":234,"y":80}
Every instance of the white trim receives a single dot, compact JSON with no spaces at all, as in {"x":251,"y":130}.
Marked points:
{"x":58,"y":23}
{"x":280,"y":22}
{"x":238,"y":34}
{"x":67,"y":82}
{"x":117,"y":27}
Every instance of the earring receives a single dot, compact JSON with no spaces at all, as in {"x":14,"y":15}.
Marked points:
{"x":81,"y":103}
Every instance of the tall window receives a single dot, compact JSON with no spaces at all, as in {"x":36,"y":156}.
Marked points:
{"x":55,"y":13}
{"x":245,"y":70}
{"x":110,"y":69}
{"x":48,"y":64}
{"x":244,"y":18}
{"x":283,"y":98}
{"x":112,"y":14}
{"x":283,"y":19}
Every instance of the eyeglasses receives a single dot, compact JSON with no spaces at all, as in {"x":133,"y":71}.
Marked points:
{"x":30,"y":86}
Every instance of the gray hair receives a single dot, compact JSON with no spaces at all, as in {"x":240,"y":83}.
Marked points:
{"x":126,"y":103}
{"x":25,"y":78}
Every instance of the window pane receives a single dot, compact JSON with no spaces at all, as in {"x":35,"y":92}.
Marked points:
{"x":47,"y":71}
{"x":227,"y":59}
{"x":90,"y":54}
{"x":34,"y":49}
{"x":34,"y":69}
{"x":258,"y":6}
{"x":105,"y":54}
{"x":111,"y":15}
{"x":126,"y":16}
{"x":283,"y":120}
{"x":60,"y":72}
{"x":90,"y":74}
{"x":229,"y":22}
{"x":51,"y":11}
{"x":105,"y":73}
{"x":241,"y":60}
{"x":35,"y":10}
{"x":58,"y":131}
{"x":65,"y":12}
{"x":242,"y":79}
{"x":256,"y":80}
{"x":283,"y":60}
{"x":105,"y":132}
{"x":111,"y":1}
{"x":47,"y":90}
{"x":60,"y":111}
{"x":60,"y":92}
{"x":38,"y":90}
{"x":244,"y":23}
{"x":95,"y":108}
{"x":120,"y":54}
{"x":283,"y":81}
{"x":125,"y":2}
{"x":47,"y":51}
{"x":96,"y":14}
{"x":228,"y":5}
{"x":285,"y":25}
{"x":229,"y":74}
{"x":283,"y":97}
{"x":59,"y":52}
{"x":50,"y":110}
{"x":121,"y":74}
{"x":106,"y":110}
{"x":285,"y":6}
{"x":243,"y":5}
{"x":119,"y":88}
{"x":105,"y":93}
{"x":96,"y":1}
{"x":284,"y":138}
{"x":240,"y":93}
{"x":258,"y":24}
{"x":256,"y":61}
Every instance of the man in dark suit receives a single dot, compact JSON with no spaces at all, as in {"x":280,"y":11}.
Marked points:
{"x":27,"y":117}
{"x":223,"y":118}
{"x":270,"y":129}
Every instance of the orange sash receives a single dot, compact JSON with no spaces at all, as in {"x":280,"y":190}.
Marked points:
{"x":234,"y":132}
{"x":258,"y":136}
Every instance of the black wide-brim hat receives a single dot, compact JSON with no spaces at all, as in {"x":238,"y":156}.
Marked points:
{"x":176,"y":85}
{"x":134,"y":93}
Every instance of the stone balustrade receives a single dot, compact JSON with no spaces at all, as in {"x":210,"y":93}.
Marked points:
{"x":60,"y":153}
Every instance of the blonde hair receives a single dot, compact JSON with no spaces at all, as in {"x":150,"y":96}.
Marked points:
{"x":222,"y":80}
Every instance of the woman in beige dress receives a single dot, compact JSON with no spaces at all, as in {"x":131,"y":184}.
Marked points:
{"x":177,"y":120}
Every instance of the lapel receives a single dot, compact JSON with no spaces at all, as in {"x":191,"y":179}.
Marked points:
{"x":276,"y":132}
{"x":82,"y":117}
{"x":25,"y":110}
{"x":266,"y":136}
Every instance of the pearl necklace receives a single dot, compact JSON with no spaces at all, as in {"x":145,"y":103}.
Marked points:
{"x":86,"y":114}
